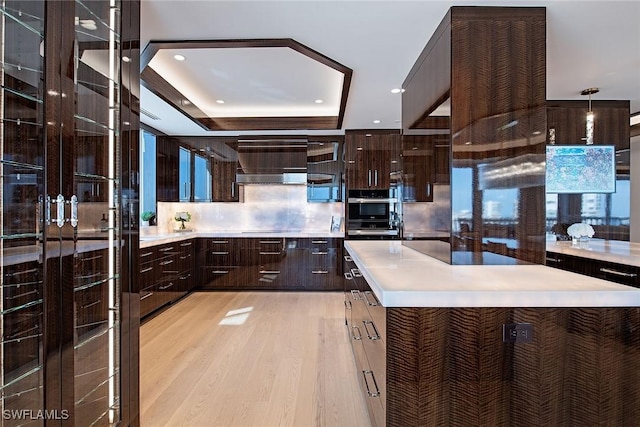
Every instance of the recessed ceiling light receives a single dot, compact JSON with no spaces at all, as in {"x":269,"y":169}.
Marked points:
{"x":179,"y":57}
{"x":376,"y":121}
{"x":219,"y":101}
{"x":397,"y":90}
{"x":318,"y":101}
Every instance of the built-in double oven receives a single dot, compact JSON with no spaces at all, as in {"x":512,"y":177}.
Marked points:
{"x":371,"y":214}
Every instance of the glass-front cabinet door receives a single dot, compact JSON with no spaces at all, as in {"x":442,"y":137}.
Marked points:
{"x":22,"y":162}
{"x":60,"y":213}
{"x":96,"y":269}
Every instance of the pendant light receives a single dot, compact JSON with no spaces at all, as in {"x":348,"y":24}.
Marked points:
{"x":590,"y":120}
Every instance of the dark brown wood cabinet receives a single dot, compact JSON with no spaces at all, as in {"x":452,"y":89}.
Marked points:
{"x":614,"y":272}
{"x":368,"y":156}
{"x":269,"y":263}
{"x":69,"y":155}
{"x":166,"y":274}
{"x":167,"y":169}
{"x":413,"y":363}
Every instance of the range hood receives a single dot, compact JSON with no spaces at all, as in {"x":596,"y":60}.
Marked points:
{"x":272,"y":161}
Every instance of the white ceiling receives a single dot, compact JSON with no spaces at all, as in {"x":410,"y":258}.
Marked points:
{"x":589,"y":44}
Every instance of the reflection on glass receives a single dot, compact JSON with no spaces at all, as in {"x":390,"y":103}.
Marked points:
{"x":202,"y":182}
{"x":184,"y":175}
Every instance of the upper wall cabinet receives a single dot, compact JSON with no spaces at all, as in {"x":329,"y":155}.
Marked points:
{"x":368,"y":157}
{"x":325,"y":169}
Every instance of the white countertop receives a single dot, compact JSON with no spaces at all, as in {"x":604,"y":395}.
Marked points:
{"x":616,"y":251}
{"x":147,"y":240}
{"x":402,"y":277}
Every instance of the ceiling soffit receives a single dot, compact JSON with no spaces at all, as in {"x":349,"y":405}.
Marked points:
{"x":254,"y":84}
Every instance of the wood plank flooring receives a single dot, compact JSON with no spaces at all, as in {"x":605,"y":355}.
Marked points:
{"x":250,"y":359}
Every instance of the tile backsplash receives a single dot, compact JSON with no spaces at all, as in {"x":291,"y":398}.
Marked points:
{"x":265,"y":208}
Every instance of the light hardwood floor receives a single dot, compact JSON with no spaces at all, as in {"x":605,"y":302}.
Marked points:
{"x":250,"y":359}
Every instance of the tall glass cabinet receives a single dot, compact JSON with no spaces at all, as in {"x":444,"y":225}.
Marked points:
{"x":66,"y":208}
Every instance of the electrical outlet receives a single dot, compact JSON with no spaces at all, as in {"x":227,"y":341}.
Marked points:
{"x":517,"y":332}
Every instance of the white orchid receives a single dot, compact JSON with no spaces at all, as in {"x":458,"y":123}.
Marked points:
{"x":580,"y":229}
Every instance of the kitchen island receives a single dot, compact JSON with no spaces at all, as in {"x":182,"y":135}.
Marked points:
{"x":499,"y":345}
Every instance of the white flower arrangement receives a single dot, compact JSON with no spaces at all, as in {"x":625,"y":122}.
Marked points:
{"x":182,"y":217}
{"x":580,"y":229}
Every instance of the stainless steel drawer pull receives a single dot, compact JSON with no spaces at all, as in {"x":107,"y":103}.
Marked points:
{"x":553,"y":259}
{"x":219,"y":271}
{"x":220,"y":253}
{"x":319,"y":271}
{"x":185,"y":277}
{"x":376,"y":392}
{"x":355,"y":295}
{"x":93,"y":258}
{"x":146,"y":296}
{"x":356,"y":272}
{"x":319,"y":253}
{"x":146,"y":254}
{"x":348,"y":258}
{"x":319,"y":242}
{"x":348,"y":276}
{"x":186,"y":256}
{"x":353,"y":335}
{"x":270,"y":242}
{"x":146,"y":270}
{"x":269,"y":271}
{"x":166,"y":249}
{"x":617,"y":273}
{"x":219,"y":241}
{"x":370,"y":301}
{"x":185,"y":244}
{"x":166,"y":287}
{"x":166,"y":262}
{"x":270,"y":253}
{"x":375,"y":335}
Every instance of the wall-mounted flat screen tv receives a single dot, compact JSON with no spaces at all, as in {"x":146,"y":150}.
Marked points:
{"x":581,"y":169}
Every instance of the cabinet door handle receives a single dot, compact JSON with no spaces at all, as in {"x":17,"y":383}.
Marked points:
{"x":185,"y":244}
{"x":375,"y":335}
{"x":348,"y":258}
{"x":319,"y":242}
{"x":269,"y":271}
{"x":219,"y":271}
{"x":355,"y":294}
{"x":356,"y":272}
{"x":233,"y":189}
{"x":167,"y":287}
{"x":185,"y":277}
{"x":270,"y":242}
{"x":146,"y":254}
{"x":428,"y":189}
{"x":166,"y":262}
{"x":319,"y":253}
{"x":220,"y":253}
{"x":348,"y":276}
{"x":369,"y":302}
{"x":319,"y":271}
{"x":618,"y":273}
{"x":376,"y":392}
{"x":353,"y":335}
{"x":60,"y":208}
{"x":270,"y":253}
{"x":74,"y":211}
{"x":166,"y":249}
{"x":220,"y":241}
{"x":376,"y":178}
{"x":146,"y":296}
{"x":185,"y":257}
{"x":556,"y":260}
{"x":146,"y":270}
{"x":369,"y":180}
